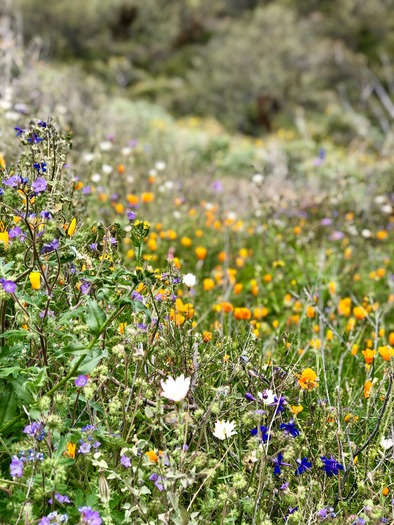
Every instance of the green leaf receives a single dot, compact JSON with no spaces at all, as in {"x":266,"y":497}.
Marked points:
{"x":76,"y":347}
{"x":95,"y":317}
{"x":16,"y":333}
{"x":8,"y":405}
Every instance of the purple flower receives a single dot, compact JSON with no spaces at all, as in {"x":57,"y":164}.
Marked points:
{"x":264,"y":433}
{"x":96,"y":444}
{"x":125,"y":461}
{"x":85,"y":287}
{"x":303,"y":466}
{"x":158,"y":481}
{"x":327,"y":512}
{"x":42,"y":124}
{"x":60,"y":498}
{"x":290,"y":428}
{"x":14,"y":232}
{"x":327,"y":221}
{"x":35,"y":429}
{"x":249,"y":397}
{"x":137,"y":297}
{"x":13,"y":181}
{"x":44,"y":521}
{"x":16,"y":467}
{"x":8,"y":286}
{"x":81,"y":381}
{"x":50,"y":246}
{"x":278,"y":464}
{"x":89,"y":516}
{"x":19,"y":131}
{"x":88,"y":428}
{"x":39,"y":185}
{"x":84,"y":448}
{"x":331,"y":466}
{"x":217,"y":186}
{"x":46,"y":214}
{"x":337,"y":236}
{"x":93,"y":246}
{"x":285,"y":486}
{"x":131,"y":215}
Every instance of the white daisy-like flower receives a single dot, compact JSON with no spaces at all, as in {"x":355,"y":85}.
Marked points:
{"x":224,"y":429}
{"x":160,"y":165}
{"x":189,"y":280}
{"x":258,"y":179}
{"x":267,"y":397}
{"x":175,"y":389}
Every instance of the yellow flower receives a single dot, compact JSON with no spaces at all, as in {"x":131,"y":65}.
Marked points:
{"x":368,"y":355}
{"x":296,"y":409}
{"x":308,"y":379}
{"x":152,"y":456}
{"x":367,"y":389}
{"x":71,"y":228}
{"x":35,"y":280}
{"x":2,"y":162}
{"x":70,"y":450}
{"x":4,"y":238}
{"x":386,"y":352}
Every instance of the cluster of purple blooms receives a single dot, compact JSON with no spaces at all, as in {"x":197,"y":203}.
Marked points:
{"x":18,"y":462}
{"x":54,"y":518}
{"x":35,"y":430}
{"x":85,"y":446}
{"x":88,"y":517}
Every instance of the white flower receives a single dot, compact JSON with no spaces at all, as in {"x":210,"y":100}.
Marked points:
{"x":126,"y":151}
{"x":224,"y":429}
{"x":258,"y":178}
{"x":160,"y":165}
{"x":189,"y":280}
{"x":107,"y":169}
{"x":105,"y":146}
{"x":96,"y":177}
{"x":386,"y":443}
{"x":88,"y":157}
{"x":175,"y":389}
{"x":267,"y":397}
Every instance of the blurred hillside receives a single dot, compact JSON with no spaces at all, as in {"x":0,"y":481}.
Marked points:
{"x":253,"y":65}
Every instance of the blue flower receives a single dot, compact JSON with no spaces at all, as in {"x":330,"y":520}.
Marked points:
{"x":40,"y":167}
{"x":303,"y":466}
{"x":291,"y":511}
{"x":19,"y":131}
{"x":265,"y":435}
{"x":279,"y":402}
{"x":278,"y":464}
{"x":34,"y":139}
{"x":290,"y":428}
{"x":331,"y":466}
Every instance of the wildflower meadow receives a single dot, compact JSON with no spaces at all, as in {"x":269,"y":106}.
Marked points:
{"x":196,"y":327}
